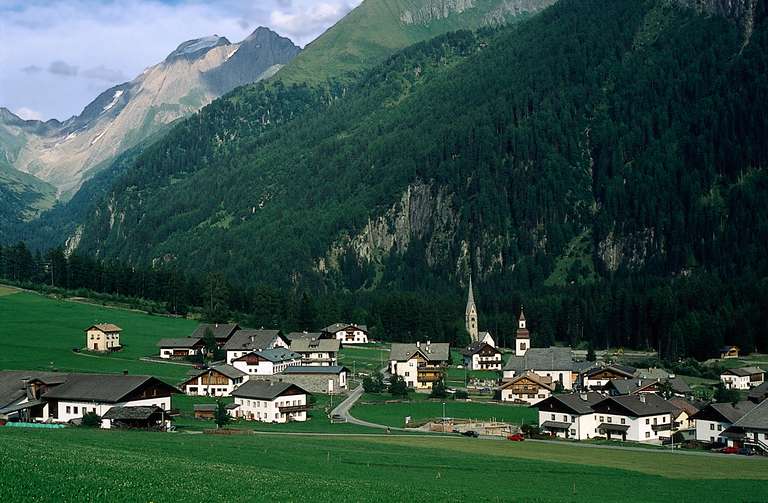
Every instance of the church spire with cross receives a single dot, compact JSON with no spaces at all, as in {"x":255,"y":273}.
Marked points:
{"x":470,"y":315}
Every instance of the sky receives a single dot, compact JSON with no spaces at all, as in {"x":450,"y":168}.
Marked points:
{"x":58,"y":55}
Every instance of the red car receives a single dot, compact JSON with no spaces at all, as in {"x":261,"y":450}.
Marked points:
{"x":730,"y":450}
{"x":517,"y":437}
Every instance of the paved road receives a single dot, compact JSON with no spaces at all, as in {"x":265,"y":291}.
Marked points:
{"x":343,"y":410}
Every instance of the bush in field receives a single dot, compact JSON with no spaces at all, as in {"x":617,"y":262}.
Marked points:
{"x":221,"y":417}
{"x":398,"y":387}
{"x":461,"y":395}
{"x":91,"y":420}
{"x":438,"y":390}
{"x":374,"y":384}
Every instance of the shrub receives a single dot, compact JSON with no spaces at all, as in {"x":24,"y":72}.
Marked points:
{"x":461,"y":395}
{"x":91,"y":420}
{"x":438,"y":390}
{"x":398,"y":387}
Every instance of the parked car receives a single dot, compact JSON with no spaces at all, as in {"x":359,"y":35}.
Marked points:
{"x":471,"y":433}
{"x":746,"y":451}
{"x":517,"y":437}
{"x":730,"y":450}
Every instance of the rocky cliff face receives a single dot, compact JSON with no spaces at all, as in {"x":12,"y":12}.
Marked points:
{"x":435,"y":10}
{"x":197,"y":72}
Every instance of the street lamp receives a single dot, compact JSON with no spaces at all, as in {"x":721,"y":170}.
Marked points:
{"x":443,"y":417}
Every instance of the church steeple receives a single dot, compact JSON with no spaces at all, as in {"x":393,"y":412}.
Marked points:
{"x":470,"y":315}
{"x":522,"y":337}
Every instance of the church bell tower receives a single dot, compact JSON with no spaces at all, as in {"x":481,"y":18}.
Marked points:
{"x":522,"y":337}
{"x":470,"y":316}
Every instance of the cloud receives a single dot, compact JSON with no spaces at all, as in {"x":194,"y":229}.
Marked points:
{"x":28,"y":114}
{"x":62,"y":68}
{"x":300,"y":23}
{"x":101,"y":72}
{"x":31,"y":69}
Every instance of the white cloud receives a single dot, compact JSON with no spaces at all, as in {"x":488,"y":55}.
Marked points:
{"x":98,"y":43}
{"x":28,"y":114}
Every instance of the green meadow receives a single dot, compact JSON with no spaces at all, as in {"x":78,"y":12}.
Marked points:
{"x":39,"y":333}
{"x":87,"y":465}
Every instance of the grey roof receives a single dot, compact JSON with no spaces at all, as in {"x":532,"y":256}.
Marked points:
{"x":254,"y":340}
{"x":652,"y":373}
{"x":265,"y":390}
{"x":12,"y":386}
{"x":476,"y":347}
{"x":582,"y":366}
{"x":744,"y":371}
{"x":303,"y":335}
{"x":553,"y":358}
{"x":647,"y":404}
{"x":316,"y":345}
{"x":630,"y":386}
{"x":556,"y":425}
{"x":179,"y":342}
{"x":759,"y":393}
{"x":314,"y":369}
{"x":543,"y":382}
{"x":731,"y":412}
{"x":220,"y":330}
{"x":131,"y":413}
{"x":278,"y":355}
{"x":755,"y":419}
{"x":336,"y":327}
{"x":579,"y":402}
{"x":226,"y":370}
{"x":618,"y":369}
{"x":205,"y":407}
{"x":107,"y":388}
{"x":433,"y":352}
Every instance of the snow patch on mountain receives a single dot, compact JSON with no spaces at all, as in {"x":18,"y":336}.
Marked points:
{"x":112,"y":103}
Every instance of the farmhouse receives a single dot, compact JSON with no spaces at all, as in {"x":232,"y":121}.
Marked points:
{"x":743,"y":378}
{"x":598,"y":377}
{"x":752,"y":429}
{"x":682,"y":416}
{"x":639,"y":418}
{"x":674,"y":385}
{"x":246,"y":341}
{"x":222,"y":332}
{"x":220,"y":380}
{"x":267,"y":362}
{"x":715,"y":418}
{"x":569,"y":416}
{"x":205,"y":410}
{"x":144,"y":417}
{"x":481,"y":356}
{"x":528,"y":388}
{"x":21,"y":394}
{"x":80,"y":394}
{"x":420,"y":365}
{"x":103,"y":337}
{"x":729,"y":352}
{"x":347,"y":333}
{"x":555,"y":363}
{"x":317,"y":351}
{"x":270,"y":402}
{"x":182,"y":347}
{"x":317,"y":379}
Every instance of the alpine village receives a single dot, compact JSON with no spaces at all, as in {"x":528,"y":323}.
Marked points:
{"x":385,"y":250}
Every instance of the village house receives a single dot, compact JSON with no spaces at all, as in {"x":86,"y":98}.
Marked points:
{"x":21,"y":394}
{"x":270,"y":402}
{"x":597,"y":377}
{"x":682,"y":417}
{"x":267,"y":362}
{"x":143,"y":417}
{"x":554,"y":362}
{"x":751,"y":430}
{"x":644,"y":417}
{"x":222,"y":332}
{"x":205,"y":410}
{"x":482,"y":356}
{"x":103,"y":337}
{"x":317,"y":351}
{"x":220,"y":380}
{"x":729,"y":352}
{"x":715,"y":418}
{"x":569,"y":416}
{"x":182,"y":347}
{"x":317,"y":379}
{"x":246,"y":341}
{"x":420,"y":365}
{"x":743,"y":378}
{"x":347,"y":333}
{"x":294,"y":336}
{"x":674,"y":385}
{"x":758,"y":393}
{"x":528,"y":388}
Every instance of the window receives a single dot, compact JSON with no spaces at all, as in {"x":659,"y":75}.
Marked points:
{"x":719,"y":426}
{"x":74,"y":409}
{"x":712,"y":426}
{"x":610,"y":419}
{"x":647,"y":434}
{"x":602,"y":419}
{"x":573,"y":419}
{"x":655,"y":420}
{"x":553,"y":416}
{"x":69,"y":409}
{"x":573,"y":432}
{"x":623,"y":421}
{"x":647,"y":421}
{"x":712,"y":439}
{"x":565,"y":418}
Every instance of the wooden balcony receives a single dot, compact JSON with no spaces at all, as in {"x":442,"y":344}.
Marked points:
{"x":293,"y":408}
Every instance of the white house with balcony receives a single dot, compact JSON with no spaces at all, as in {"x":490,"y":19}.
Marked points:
{"x":743,"y":378}
{"x":481,"y":356}
{"x":569,"y":416}
{"x":713,"y":420}
{"x":643,"y":417}
{"x":266,"y":363}
{"x":347,"y":333}
{"x":420,"y":365}
{"x":270,"y":401}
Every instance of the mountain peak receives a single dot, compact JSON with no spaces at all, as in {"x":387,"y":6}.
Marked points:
{"x":192,"y":49}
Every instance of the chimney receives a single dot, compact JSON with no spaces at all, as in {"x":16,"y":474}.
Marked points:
{"x":639,"y":382}
{"x":271,"y":383}
{"x":418,"y":344}
{"x":583,"y":396}
{"x":642,"y":397}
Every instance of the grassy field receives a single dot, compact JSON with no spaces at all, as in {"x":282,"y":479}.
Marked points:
{"x":38,"y":333}
{"x":372,"y":408}
{"x":82,"y":465}
{"x":367,"y":359}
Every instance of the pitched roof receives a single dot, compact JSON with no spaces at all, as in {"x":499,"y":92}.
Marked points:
{"x":275,"y":355}
{"x":255,"y":340}
{"x":730,"y":412}
{"x":12,"y":387}
{"x":433,"y":352}
{"x":755,"y":419}
{"x":205,"y":407}
{"x":652,"y":373}
{"x":220,"y":330}
{"x":553,"y":358}
{"x":227,"y":371}
{"x":303,"y":335}
{"x":759,"y":393}
{"x":106,"y":327}
{"x":580,"y":403}
{"x":140,"y":413}
{"x":476,"y":347}
{"x":616,"y":369}
{"x":315,"y":345}
{"x":265,"y":390}
{"x":470,"y":298}
{"x":179,"y":342}
{"x":314,"y":369}
{"x":646,"y":404}
{"x":543,"y":382}
{"x":684,"y":405}
{"x":108,"y":388}
{"x":744,"y":371}
{"x":337,"y":327}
